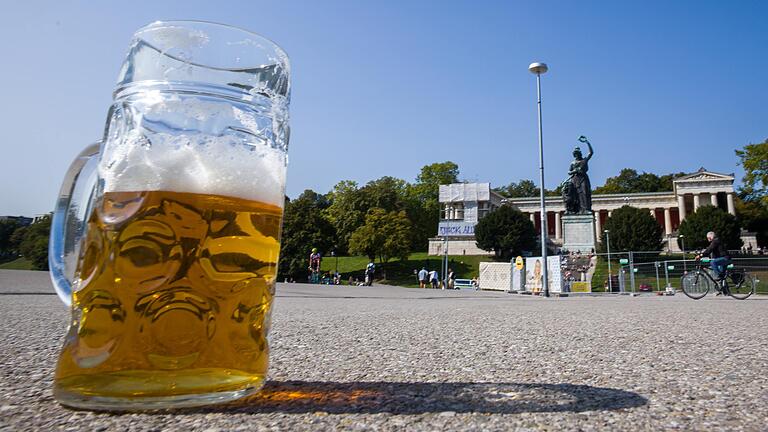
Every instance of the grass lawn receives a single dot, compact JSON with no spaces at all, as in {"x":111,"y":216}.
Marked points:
{"x":17,"y":264}
{"x":401,"y":272}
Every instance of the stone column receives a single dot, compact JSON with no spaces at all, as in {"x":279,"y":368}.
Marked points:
{"x":532,"y":217}
{"x":610,"y":213}
{"x":447,"y":211}
{"x":653,"y":212}
{"x":667,"y":221}
{"x":598,"y":226}
{"x":731,"y":207}
{"x":696,"y":202}
{"x":558,"y":226}
{"x":681,"y":206}
{"x":713,"y":199}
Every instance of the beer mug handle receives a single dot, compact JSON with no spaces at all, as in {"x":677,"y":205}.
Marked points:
{"x":70,"y":218}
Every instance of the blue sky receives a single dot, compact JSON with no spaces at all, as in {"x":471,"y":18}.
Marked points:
{"x":383,"y":88}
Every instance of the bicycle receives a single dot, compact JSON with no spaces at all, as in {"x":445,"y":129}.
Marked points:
{"x":314,"y":276}
{"x":699,"y":281}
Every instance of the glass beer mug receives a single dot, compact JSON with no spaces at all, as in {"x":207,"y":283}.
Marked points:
{"x":166,"y":235}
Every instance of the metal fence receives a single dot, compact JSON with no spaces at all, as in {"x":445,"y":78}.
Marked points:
{"x":635,"y":272}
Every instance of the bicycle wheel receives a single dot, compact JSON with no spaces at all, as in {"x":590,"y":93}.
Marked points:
{"x":695,"y":284}
{"x":745,"y":288}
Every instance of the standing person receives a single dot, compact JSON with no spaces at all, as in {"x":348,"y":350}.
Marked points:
{"x":451,"y":278}
{"x":423,"y":277}
{"x":433,"y":278}
{"x":369,"y":271}
{"x":315,"y":259}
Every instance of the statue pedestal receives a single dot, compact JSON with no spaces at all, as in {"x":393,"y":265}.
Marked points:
{"x":579,"y":232}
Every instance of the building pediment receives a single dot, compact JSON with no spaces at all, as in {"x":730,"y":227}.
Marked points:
{"x":702,"y":175}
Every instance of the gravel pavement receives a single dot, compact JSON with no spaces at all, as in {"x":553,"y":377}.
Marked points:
{"x":388,"y":358}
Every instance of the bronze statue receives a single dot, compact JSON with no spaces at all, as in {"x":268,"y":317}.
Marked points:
{"x":577,"y":191}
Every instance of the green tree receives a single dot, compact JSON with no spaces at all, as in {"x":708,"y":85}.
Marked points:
{"x":665,"y":181}
{"x":7,"y":228}
{"x":346,"y":212}
{"x":558,"y":191}
{"x":521,"y":189}
{"x":622,"y":183}
{"x":525,"y":189}
{"x":752,"y":214}
{"x":34,"y":246}
{"x":17,"y":237}
{"x":422,"y":200}
{"x":754,"y":159}
{"x":438,"y":173}
{"x":304,"y":227}
{"x":506,"y":231}
{"x":708,"y":218}
{"x":349,"y":204}
{"x":386,"y":193}
{"x":632,"y":229}
{"x":385,"y":235}
{"x":423,"y":216}
{"x":629,"y":181}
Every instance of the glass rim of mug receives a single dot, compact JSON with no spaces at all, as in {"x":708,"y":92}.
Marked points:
{"x":281,"y":56}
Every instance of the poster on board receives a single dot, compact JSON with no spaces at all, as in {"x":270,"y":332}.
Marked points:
{"x":533,"y":274}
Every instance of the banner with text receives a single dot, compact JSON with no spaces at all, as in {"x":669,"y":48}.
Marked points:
{"x":456,"y":228}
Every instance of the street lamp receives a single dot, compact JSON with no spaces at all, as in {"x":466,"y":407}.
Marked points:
{"x":538,"y":69}
{"x":449,"y":209}
{"x":445,"y":264}
{"x":608,"y":244}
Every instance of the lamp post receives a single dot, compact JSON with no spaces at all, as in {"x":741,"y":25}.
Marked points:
{"x":608,"y":244}
{"x":333,"y":254}
{"x":444,"y":268}
{"x":450,"y":215}
{"x":682,"y":240}
{"x":538,"y":69}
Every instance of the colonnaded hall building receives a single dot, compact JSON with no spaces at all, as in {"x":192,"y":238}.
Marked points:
{"x":463,"y":204}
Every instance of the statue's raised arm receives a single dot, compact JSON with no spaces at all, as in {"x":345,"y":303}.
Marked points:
{"x":584,"y":140}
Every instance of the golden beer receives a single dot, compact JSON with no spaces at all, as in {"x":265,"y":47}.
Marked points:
{"x":172,"y":298}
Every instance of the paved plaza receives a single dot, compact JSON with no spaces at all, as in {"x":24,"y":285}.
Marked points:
{"x":388,"y":358}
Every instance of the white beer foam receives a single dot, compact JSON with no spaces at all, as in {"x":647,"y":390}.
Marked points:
{"x":196,"y":164}
{"x":219,"y":161}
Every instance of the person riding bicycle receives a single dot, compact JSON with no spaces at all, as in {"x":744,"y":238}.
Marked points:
{"x":719,"y":258}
